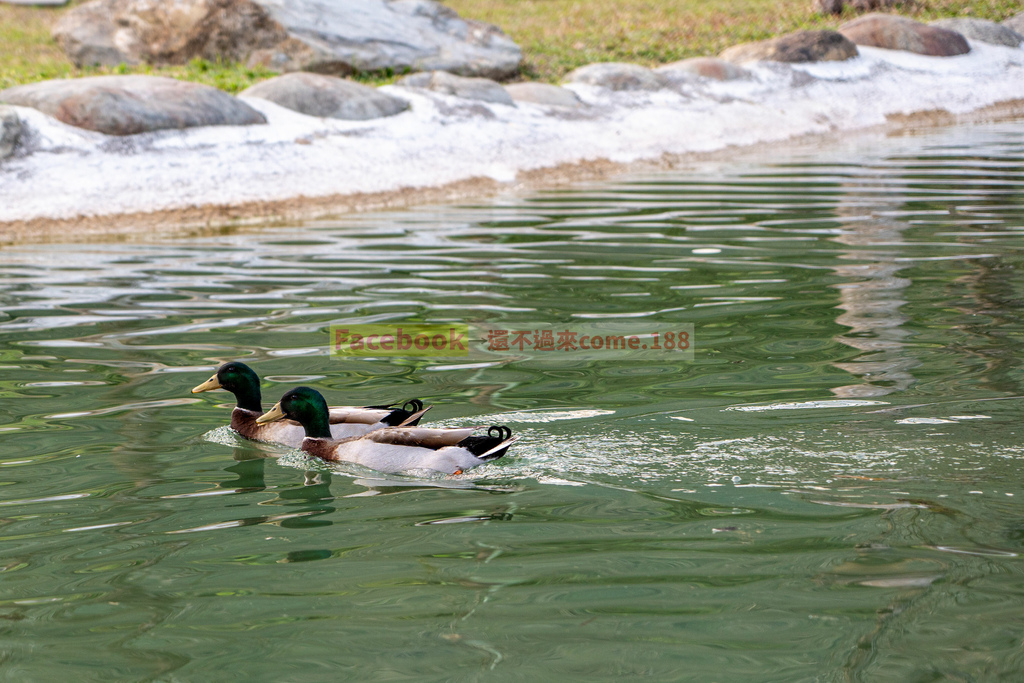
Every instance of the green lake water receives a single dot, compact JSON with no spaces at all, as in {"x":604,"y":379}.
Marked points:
{"x":829,"y":491}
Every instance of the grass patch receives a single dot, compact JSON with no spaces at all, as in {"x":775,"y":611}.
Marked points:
{"x":27,"y":53}
{"x":556,"y":35}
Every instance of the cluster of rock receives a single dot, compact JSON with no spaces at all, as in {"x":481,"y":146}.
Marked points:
{"x":125,"y":105}
{"x":338,"y":37}
{"x":942,"y":38}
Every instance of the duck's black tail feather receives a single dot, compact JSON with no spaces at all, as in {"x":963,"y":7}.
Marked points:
{"x":399,"y":416}
{"x":492,"y":446}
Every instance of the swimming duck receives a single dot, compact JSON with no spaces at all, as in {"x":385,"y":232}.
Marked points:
{"x":242,"y":381}
{"x":389,"y":450}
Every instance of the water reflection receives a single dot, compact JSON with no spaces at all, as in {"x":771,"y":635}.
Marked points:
{"x":871,"y":294}
{"x":250,"y":467}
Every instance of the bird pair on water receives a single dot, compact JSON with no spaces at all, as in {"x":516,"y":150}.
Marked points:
{"x":384,"y":438}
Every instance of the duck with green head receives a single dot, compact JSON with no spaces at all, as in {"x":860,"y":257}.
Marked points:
{"x":397,"y":449}
{"x":343,"y":422}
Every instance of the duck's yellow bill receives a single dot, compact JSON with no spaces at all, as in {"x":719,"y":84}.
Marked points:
{"x":208,"y":385}
{"x":272,"y":415}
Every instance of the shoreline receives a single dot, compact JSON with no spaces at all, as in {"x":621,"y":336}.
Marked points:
{"x":202,"y":181}
{"x":211,"y":219}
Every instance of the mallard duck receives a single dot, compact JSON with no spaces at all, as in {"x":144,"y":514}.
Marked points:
{"x":242,"y":381}
{"x":389,"y":450}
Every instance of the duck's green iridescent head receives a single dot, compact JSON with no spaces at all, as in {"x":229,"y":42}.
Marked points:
{"x":307,"y":407}
{"x":240,"y":380}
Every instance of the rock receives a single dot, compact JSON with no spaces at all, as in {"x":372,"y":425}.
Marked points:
{"x":44,"y":3}
{"x":112,"y":32}
{"x":125,"y":105}
{"x":420,"y":35}
{"x":336,"y":37}
{"x":981,"y":30}
{"x":617,"y":76}
{"x":801,"y":46}
{"x":706,"y":67}
{"x":1015,"y":23}
{"x":481,"y":89}
{"x":899,"y":33}
{"x":10,"y":131}
{"x":836,"y":6}
{"x":88,"y":37}
{"x":544,"y":93}
{"x":829,"y":6}
{"x":327,"y":96}
{"x":872,"y":5}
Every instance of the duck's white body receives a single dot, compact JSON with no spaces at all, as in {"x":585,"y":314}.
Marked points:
{"x":400,"y":449}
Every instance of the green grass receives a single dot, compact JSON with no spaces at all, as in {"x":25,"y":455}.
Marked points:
{"x":556,"y":35}
{"x":27,"y":53}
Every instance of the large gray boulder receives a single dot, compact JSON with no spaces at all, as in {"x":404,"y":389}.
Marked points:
{"x":325,"y":36}
{"x":10,"y":131}
{"x":899,"y":33}
{"x":327,"y":96}
{"x":544,"y":93}
{"x":445,"y":83}
{"x":617,"y":76}
{"x":419,"y":35}
{"x":801,"y":46}
{"x":125,"y":105}
{"x":1015,"y":23}
{"x":981,"y":30}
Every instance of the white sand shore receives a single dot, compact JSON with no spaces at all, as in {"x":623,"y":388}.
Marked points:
{"x":300,"y":166}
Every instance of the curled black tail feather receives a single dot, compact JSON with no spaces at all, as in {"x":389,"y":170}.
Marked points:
{"x":400,"y":415}
{"x":499,"y":432}
{"x":478,"y":445}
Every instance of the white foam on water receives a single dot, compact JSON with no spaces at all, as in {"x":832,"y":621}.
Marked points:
{"x":952,"y":419}
{"x":808,"y":405}
{"x":69,"y":172}
{"x":544,"y":415}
